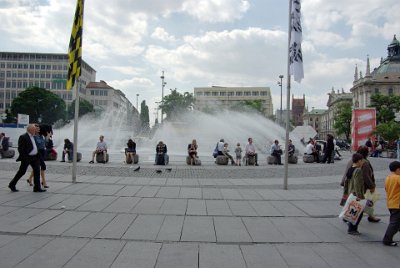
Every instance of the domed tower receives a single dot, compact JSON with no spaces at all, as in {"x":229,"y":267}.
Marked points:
{"x":385,"y":79}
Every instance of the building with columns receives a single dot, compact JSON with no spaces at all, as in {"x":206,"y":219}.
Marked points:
{"x":385,"y":79}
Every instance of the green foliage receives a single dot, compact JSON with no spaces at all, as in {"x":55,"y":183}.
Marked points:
{"x":248,"y":106}
{"x":85,"y":107}
{"x":9,"y":117}
{"x":176,"y":104}
{"x":342,"y":123}
{"x":388,"y":131}
{"x":144,"y":118}
{"x":385,"y":107}
{"x":39,"y":103}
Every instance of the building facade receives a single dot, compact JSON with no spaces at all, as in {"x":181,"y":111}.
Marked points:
{"x":385,"y":79}
{"x":19,"y":71}
{"x":209,"y":97}
{"x":314,"y":118}
{"x":298,"y":109}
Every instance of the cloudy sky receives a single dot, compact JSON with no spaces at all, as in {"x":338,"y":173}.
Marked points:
{"x":208,"y":42}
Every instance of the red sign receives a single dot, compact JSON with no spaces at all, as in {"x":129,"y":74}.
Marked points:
{"x":363,"y":125}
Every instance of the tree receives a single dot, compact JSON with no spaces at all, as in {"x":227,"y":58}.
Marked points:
{"x":342,"y":123}
{"x":385,"y":107}
{"x":176,"y":104}
{"x":144,"y":118}
{"x":248,"y":106}
{"x":388,"y":131}
{"x":39,"y":103}
{"x":85,"y":107}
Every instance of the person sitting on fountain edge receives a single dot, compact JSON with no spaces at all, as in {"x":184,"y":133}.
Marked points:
{"x":101,"y":148}
{"x":276,"y":152}
{"x":161,"y":154}
{"x":130,"y":151}
{"x":250,"y":150}
{"x":192,"y":151}
{"x":291,"y":149}
{"x":226,"y":153}
{"x":68,"y":149}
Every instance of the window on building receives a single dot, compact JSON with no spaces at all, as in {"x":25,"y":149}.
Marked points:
{"x":105,"y":92}
{"x":92,"y":92}
{"x":199,"y":93}
{"x":263,"y":93}
{"x":207,"y":93}
{"x":390,"y":91}
{"x":247,"y":93}
{"x":239,"y":93}
{"x":222,"y":93}
{"x":316,"y":119}
{"x":310,"y":119}
{"x":214,"y":93}
{"x":231,"y":93}
{"x":255,"y":93}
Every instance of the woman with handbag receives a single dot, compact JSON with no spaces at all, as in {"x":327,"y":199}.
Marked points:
{"x":354,"y":183}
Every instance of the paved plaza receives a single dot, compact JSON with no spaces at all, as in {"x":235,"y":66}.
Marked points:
{"x":187,"y":216}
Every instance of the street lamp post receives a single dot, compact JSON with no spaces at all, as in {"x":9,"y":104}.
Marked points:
{"x":280,"y":112}
{"x":162,"y":93}
{"x":137,"y":102}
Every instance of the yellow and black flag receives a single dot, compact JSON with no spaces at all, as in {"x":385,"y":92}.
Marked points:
{"x":75,"y":46}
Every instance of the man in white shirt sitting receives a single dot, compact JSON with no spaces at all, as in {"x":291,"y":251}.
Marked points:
{"x":310,"y":150}
{"x":250,"y":150}
{"x":101,"y":148}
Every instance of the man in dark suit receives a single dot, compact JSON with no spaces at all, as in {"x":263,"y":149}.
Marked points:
{"x":28,"y":155}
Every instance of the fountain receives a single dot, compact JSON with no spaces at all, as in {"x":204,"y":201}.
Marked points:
{"x":207,"y":129}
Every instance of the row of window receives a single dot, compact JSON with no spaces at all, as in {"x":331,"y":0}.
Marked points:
{"x":99,"y":102}
{"x":390,"y":91}
{"x":31,"y":66}
{"x":98,"y":92}
{"x":25,"y":84}
{"x":47,"y":75}
{"x":232,"y":93}
{"x":13,"y":94}
{"x":32,"y":57}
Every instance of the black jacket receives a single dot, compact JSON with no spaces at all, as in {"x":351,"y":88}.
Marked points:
{"x":25,"y":146}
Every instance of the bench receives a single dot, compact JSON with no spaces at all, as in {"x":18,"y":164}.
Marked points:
{"x":221,"y":160}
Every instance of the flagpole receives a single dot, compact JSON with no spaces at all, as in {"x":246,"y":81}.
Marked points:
{"x":76,"y":115}
{"x":286,"y":167}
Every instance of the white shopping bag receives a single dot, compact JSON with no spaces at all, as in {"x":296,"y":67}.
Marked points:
{"x":352,"y":209}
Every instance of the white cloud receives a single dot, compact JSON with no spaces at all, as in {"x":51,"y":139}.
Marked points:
{"x":160,"y":34}
{"x":216,"y":10}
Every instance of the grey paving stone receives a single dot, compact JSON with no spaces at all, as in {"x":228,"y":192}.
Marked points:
{"x":320,"y":208}
{"x":187,"y":192}
{"x":221,"y":256}
{"x":300,"y":256}
{"x":265,"y":208}
{"x":123,"y":204}
{"x":337,"y":255}
{"x":196,"y":228}
{"x":222,"y":182}
{"x":143,"y":181}
{"x":263,"y":230}
{"x":89,"y":190}
{"x":97,"y":253}
{"x":5,"y":239}
{"x":178,"y":256}
{"x":158,"y":181}
{"x":26,"y":200}
{"x":24,"y":226}
{"x":108,"y":189}
{"x":196,"y":207}
{"x":261,"y":256}
{"x":73,"y":202}
{"x":190,"y":182}
{"x":232,"y":194}
{"x":7,"y":196}
{"x":293,"y":195}
{"x":171,"y":228}
{"x":249,"y":194}
{"x":49,"y":201}
{"x":207,"y":182}
{"x":148,"y":206}
{"x":326,"y":231}
{"x":218,"y":208}
{"x":375,"y":254}
{"x":60,"y":224}
{"x":137,"y":254}
{"x":241,"y":208}
{"x":211,"y":193}
{"x":288,"y":209}
{"x":98,"y":203}
{"x":237,"y":182}
{"x":145,"y":227}
{"x":174,"y":182}
{"x":128,"y":190}
{"x":90,"y":225}
{"x":268,"y":194}
{"x":18,"y":215}
{"x":169,"y":192}
{"x":56,"y":253}
{"x":6,"y":210}
{"x":294,"y":231}
{"x":19,"y":249}
{"x":73,"y":188}
{"x":231,"y":229}
{"x":116,"y":228}
{"x":174,"y":207}
{"x":148,"y":191}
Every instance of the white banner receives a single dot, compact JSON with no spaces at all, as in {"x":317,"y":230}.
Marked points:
{"x":23,"y":119}
{"x":295,"y":52}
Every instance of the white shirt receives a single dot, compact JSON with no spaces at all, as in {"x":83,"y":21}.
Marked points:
{"x":309,"y":148}
{"x":102,"y":145}
{"x":250,"y":148}
{"x":34,"y":150}
{"x":220,"y":146}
